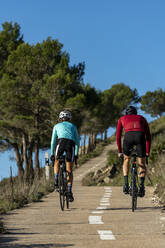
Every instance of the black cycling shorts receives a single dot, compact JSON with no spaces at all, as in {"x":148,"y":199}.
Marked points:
{"x":65,"y":145}
{"x":134,"y":138}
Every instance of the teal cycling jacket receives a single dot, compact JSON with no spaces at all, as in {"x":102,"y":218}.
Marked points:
{"x":65,"y":130}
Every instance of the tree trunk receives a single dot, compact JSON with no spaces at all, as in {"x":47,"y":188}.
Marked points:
{"x":92,"y":142}
{"x":30,"y":159}
{"x":36,"y":147}
{"x":89,"y":143}
{"x":37,"y":164}
{"x":81,"y":148}
{"x":95,"y":135}
{"x":26,"y":164}
{"x":105,"y":135}
{"x":84,"y":145}
{"x":19,"y":162}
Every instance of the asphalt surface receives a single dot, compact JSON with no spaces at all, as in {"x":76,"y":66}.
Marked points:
{"x":99,"y":217}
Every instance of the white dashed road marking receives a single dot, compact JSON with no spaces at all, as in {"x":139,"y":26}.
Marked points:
{"x":107,"y":195}
{"x":104,"y":204}
{"x":97,"y":212}
{"x":104,"y":200}
{"x":101,"y":207}
{"x":95,"y":220}
{"x":106,"y":235}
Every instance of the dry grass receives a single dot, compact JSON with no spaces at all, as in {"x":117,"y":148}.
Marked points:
{"x":156,"y":168}
{"x":158,"y":176}
{"x":15,"y":194}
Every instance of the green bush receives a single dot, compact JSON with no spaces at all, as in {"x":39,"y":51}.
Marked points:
{"x":112,"y":158}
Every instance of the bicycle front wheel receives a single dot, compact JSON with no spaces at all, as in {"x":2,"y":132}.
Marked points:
{"x":61,"y":189}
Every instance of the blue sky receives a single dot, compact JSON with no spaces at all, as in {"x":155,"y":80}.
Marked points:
{"x":119,"y":40}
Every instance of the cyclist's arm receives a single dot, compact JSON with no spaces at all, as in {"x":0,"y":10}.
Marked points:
{"x":77,"y":141}
{"x":118,"y":135}
{"x":148,"y":136}
{"x":53,"y":140}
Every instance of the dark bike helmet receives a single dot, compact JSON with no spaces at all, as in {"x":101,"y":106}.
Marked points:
{"x":131,"y":110}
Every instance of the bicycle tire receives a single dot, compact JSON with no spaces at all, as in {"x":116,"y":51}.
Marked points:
{"x":66,"y":190}
{"x":134,"y":191}
{"x":61,"y":189}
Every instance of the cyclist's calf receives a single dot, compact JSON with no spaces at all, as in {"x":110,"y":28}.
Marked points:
{"x":126,"y":165}
{"x":142,"y":167}
{"x":69,"y":166}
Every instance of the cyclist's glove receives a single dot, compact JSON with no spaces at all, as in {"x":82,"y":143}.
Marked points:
{"x":52,"y":158}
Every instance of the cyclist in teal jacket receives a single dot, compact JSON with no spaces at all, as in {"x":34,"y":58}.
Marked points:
{"x":65,"y":138}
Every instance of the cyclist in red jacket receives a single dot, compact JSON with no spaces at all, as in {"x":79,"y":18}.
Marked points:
{"x":137,"y":133}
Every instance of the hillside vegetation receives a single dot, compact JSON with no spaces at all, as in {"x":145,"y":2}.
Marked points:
{"x":157,"y":158}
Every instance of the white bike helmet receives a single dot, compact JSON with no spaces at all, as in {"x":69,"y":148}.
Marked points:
{"x":65,"y":115}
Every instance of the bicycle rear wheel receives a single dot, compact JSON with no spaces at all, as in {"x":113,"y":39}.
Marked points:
{"x":61,"y":189}
{"x":134,"y":191}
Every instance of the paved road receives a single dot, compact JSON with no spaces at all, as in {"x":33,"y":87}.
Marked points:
{"x":99,"y":217}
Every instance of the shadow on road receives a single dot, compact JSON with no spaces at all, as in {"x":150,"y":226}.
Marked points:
{"x":138,"y":208}
{"x":149,"y":208}
{"x":5,"y":243}
{"x":18,"y":233}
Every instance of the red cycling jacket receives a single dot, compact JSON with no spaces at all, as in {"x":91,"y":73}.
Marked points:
{"x":133,"y":123}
